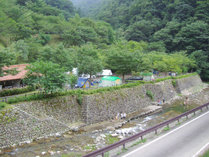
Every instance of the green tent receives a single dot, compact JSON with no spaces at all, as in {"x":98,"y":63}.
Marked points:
{"x":108,"y":81}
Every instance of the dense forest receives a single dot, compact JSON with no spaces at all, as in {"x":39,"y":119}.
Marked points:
{"x":123,"y":35}
{"x":172,"y":25}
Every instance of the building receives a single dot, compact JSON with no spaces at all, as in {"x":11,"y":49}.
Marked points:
{"x":14,"y":76}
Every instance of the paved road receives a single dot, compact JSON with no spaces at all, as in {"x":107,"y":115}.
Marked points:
{"x":184,"y":141}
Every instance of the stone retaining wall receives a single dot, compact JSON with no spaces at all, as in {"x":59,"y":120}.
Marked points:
{"x":104,"y":106}
{"x":30,"y":120}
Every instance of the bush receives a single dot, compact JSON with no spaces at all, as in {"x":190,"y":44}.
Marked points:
{"x":150,"y":94}
{"x":2,"y":105}
{"x":15,"y":91}
{"x":174,"y":83}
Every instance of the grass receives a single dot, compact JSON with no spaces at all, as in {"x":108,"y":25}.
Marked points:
{"x":90,"y":147}
{"x":123,"y":151}
{"x":206,"y":154}
{"x":166,"y":128}
{"x":72,"y":154}
{"x":139,"y":142}
{"x":110,"y":139}
{"x":4,"y":105}
{"x":107,"y":154}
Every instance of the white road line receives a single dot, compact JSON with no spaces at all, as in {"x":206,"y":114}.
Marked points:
{"x":126,"y":155}
{"x":198,"y":153}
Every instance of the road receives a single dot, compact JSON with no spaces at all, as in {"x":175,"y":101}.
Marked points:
{"x":185,"y":141}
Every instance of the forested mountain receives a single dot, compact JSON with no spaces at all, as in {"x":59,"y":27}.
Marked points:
{"x":177,"y":25}
{"x":162,"y":35}
{"x":88,"y":8}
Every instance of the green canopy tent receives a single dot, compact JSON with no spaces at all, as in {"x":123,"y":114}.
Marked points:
{"x":108,"y":81}
{"x":147,"y":76}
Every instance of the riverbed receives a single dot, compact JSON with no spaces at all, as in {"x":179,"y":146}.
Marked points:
{"x":84,"y":141}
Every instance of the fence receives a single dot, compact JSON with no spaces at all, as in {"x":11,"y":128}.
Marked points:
{"x":143,"y":133}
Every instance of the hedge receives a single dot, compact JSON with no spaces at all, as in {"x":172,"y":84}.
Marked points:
{"x":15,"y":91}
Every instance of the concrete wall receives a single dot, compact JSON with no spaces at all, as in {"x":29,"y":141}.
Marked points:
{"x":185,"y":84}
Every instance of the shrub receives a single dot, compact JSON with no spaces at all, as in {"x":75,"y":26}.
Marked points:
{"x":150,"y":94}
{"x":174,"y":83}
{"x":2,"y":105}
{"x":15,"y":91}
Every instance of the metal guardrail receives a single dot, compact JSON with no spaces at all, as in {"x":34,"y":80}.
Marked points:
{"x":141,"y":134}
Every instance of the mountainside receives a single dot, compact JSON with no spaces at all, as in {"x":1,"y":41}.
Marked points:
{"x":168,"y":35}
{"x":177,"y":25}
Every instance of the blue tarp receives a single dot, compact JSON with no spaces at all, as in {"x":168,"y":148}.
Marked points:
{"x":81,"y":82}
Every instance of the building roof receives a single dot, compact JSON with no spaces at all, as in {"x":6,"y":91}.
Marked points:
{"x":21,"y":69}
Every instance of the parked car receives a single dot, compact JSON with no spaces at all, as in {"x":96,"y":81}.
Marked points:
{"x":135,"y":78}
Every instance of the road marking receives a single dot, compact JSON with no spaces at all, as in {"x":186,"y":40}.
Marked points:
{"x":205,"y":146}
{"x":164,"y":135}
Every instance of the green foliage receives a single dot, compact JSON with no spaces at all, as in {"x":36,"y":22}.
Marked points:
{"x":73,"y":80}
{"x":46,"y":75}
{"x":206,"y":154}
{"x":16,"y":91}
{"x":72,"y":154}
{"x":88,"y":61}
{"x":2,"y":105}
{"x":150,"y":94}
{"x":90,"y":147}
{"x":110,"y":139}
{"x":169,"y":26}
{"x":139,"y":142}
{"x":173,"y":83}
{"x":166,"y":128}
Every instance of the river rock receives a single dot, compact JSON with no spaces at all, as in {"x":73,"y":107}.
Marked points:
{"x":103,"y":136}
{"x":111,"y":128}
{"x":43,"y":153}
{"x":114,"y":135}
{"x":95,"y":131}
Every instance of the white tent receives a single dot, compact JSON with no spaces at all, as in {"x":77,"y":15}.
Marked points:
{"x":105,"y":72}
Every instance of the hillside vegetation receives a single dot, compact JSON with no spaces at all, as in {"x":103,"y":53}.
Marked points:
{"x":125,"y":36}
{"x":172,"y":25}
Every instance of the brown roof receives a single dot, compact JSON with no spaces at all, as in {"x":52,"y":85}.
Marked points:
{"x":20,"y":75}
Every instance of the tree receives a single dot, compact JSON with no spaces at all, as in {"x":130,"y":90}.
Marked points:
{"x":73,"y":80}
{"x":202,"y":60}
{"x":88,"y":61}
{"x":90,"y":66}
{"x":122,"y":62}
{"x":47,"y":75}
{"x":5,"y":59}
{"x":58,"y":55}
{"x":194,"y":36}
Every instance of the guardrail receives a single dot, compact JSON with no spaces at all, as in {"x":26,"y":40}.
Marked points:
{"x":141,"y":134}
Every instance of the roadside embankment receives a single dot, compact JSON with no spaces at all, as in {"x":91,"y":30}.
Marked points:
{"x":32,"y":120}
